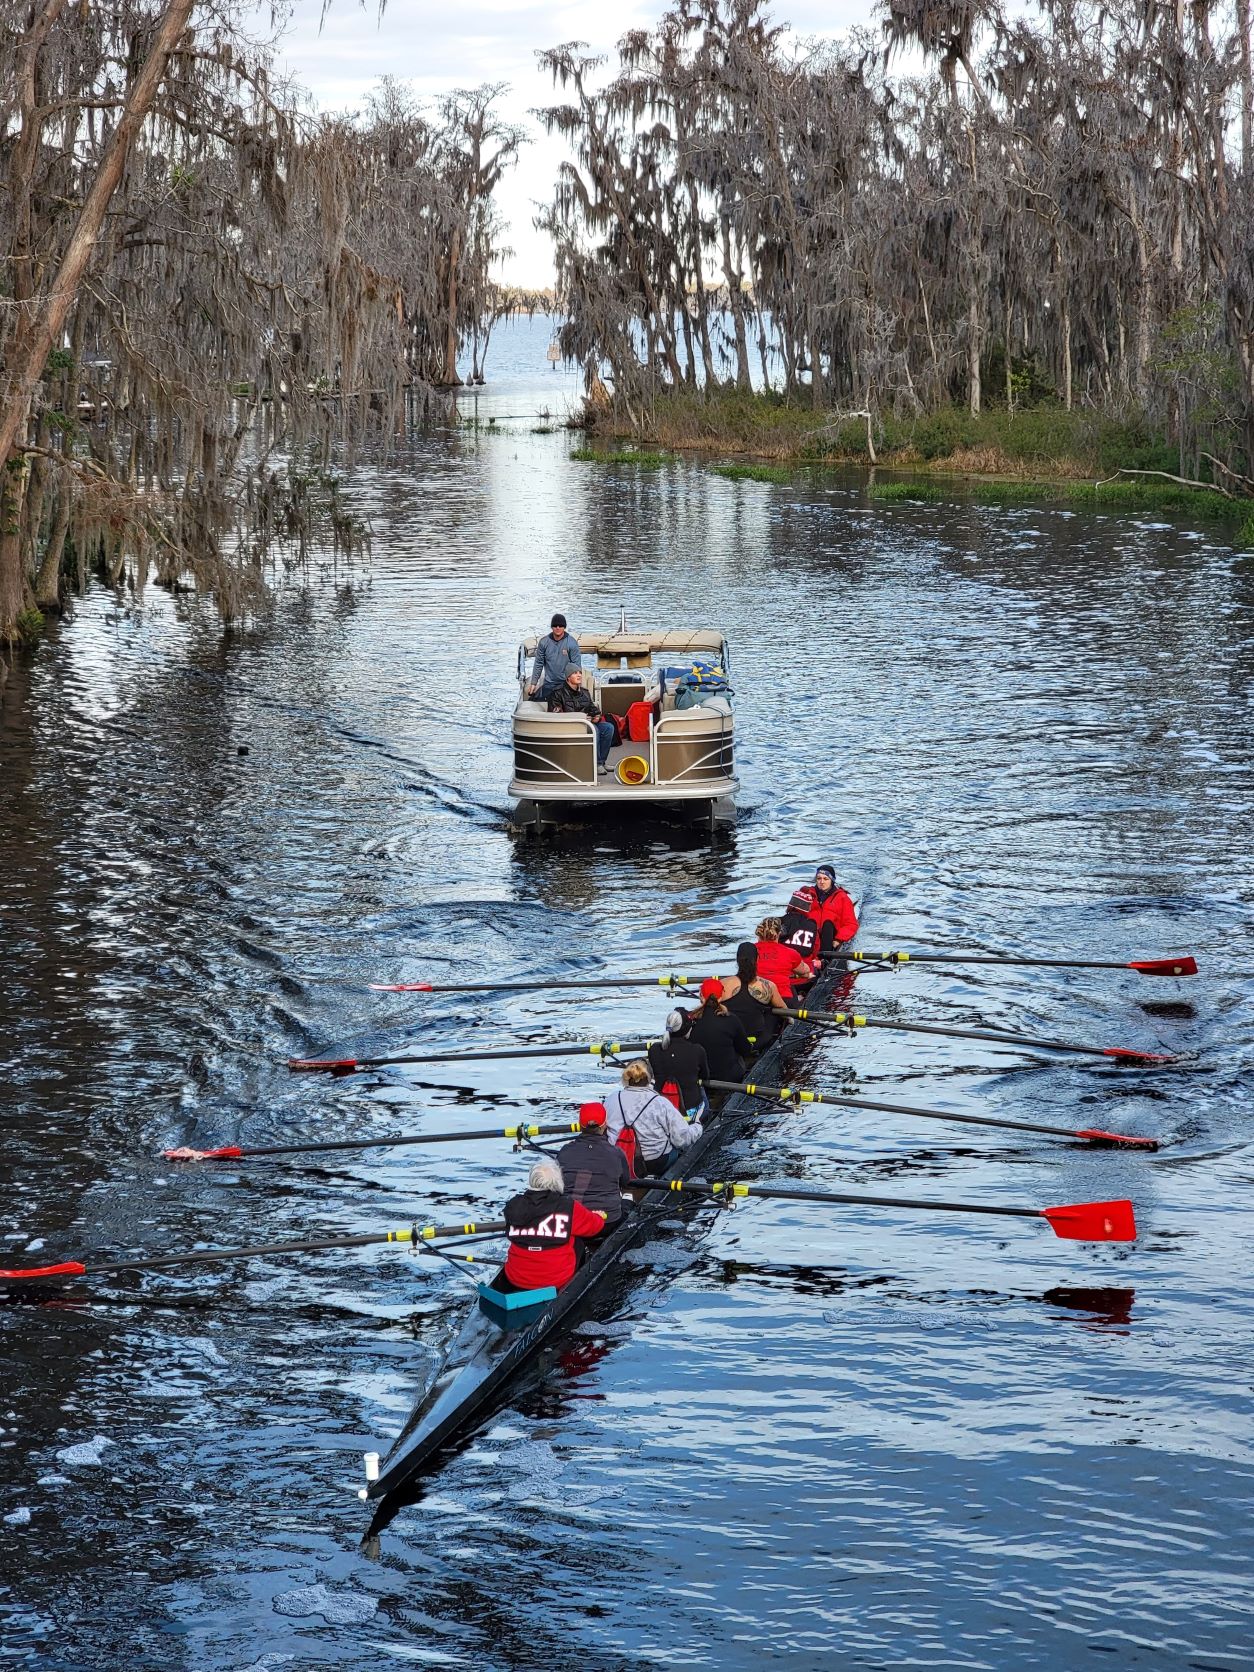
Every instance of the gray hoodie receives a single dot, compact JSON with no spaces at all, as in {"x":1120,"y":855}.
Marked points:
{"x":554,"y":659}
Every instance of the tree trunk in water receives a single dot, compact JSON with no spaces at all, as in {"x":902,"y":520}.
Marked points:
{"x":46,"y":320}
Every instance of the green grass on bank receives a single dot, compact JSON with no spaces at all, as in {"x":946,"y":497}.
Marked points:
{"x":641,"y":458}
{"x":1122,"y":495}
{"x":754,"y":472}
{"x":1075,"y":443}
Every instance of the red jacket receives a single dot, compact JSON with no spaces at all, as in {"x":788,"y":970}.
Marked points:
{"x":835,"y":916}
{"x":777,"y":963}
{"x":542,"y":1227}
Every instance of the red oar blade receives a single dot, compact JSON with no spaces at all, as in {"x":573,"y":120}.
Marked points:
{"x":1093,"y":1221}
{"x":184,"y":1153}
{"x":1122,"y":1054}
{"x":1095,"y":1135}
{"x":1165,"y":966}
{"x":401,"y":987}
{"x":305,"y":1065}
{"x":71,"y":1268}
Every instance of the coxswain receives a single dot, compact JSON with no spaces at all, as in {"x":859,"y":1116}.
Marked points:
{"x":542,"y":1224}
{"x":799,"y":929}
{"x":676,"y":1060}
{"x":660,"y":1131}
{"x":722,"y":1036}
{"x":780,"y":964}
{"x":756,"y":1002}
{"x":594,"y":1167}
{"x":833,"y":910}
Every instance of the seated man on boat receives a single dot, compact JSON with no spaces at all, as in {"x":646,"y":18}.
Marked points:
{"x":595,"y":1168}
{"x":556,"y":654}
{"x":571,"y":698}
{"x":776,"y":962}
{"x":542,"y":1224}
{"x":833,"y":910}
{"x":721,"y":1035}
{"x":678,"y":1061}
{"x":656,"y":1125}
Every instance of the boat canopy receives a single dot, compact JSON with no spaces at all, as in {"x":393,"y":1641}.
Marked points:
{"x":633,"y":642}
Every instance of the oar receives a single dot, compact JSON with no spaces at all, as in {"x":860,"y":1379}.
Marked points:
{"x":846,"y":1019}
{"x":350,"y":1065}
{"x":1186,"y":964}
{"x":793,"y":1094}
{"x":1081,"y":1221}
{"x":233,"y":1152}
{"x":545,"y":984}
{"x":415,"y":1236}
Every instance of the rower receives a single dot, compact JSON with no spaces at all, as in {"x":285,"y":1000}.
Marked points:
{"x":675,"y":1059}
{"x":542,"y":1224}
{"x":755,"y":1001}
{"x":722,"y":1036}
{"x":833,"y":909}
{"x":780,"y":964}
{"x":596,"y":1169}
{"x":799,"y":928}
{"x":660,"y":1131}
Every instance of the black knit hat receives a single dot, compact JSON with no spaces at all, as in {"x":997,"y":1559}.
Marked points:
{"x":830,"y":869}
{"x":558,"y":621}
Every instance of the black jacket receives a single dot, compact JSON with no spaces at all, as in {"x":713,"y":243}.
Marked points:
{"x":686,"y":1064}
{"x":725,"y":1042}
{"x":595,"y":1171}
{"x":567,"y":700}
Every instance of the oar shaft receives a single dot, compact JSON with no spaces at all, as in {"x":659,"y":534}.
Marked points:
{"x":574,"y":984}
{"x":789,"y":1094}
{"x":348,"y":1065}
{"x":394,"y":1140}
{"x":415,"y":1236}
{"x":996,"y":1035}
{"x":1184,"y":964}
{"x":732,"y":1188}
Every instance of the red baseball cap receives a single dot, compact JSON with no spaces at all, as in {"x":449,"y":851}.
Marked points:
{"x":592,"y":1114}
{"x":711,"y":988}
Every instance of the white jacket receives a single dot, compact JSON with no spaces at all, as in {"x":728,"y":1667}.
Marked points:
{"x":658,"y":1124}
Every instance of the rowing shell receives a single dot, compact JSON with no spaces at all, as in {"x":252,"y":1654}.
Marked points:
{"x":485,"y":1360}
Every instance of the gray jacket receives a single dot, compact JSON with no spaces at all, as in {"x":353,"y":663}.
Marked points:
{"x":554,"y":659}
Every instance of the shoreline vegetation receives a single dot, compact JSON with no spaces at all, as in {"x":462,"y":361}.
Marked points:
{"x":1039,"y":454}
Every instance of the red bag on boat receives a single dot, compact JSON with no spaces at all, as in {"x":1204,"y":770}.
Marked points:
{"x":626,"y":1141}
{"x":670,"y":1091}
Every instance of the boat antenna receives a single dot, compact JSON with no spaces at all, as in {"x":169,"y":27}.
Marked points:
{"x":622,"y":618}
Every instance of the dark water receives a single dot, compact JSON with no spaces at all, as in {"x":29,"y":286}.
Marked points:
{"x":832,"y":1438}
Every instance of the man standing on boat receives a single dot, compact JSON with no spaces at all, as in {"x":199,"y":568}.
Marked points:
{"x":595,"y":1170}
{"x":556,"y":654}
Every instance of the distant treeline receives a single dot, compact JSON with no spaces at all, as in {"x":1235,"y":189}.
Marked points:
{"x":203,"y":288}
{"x":1059,"y":205}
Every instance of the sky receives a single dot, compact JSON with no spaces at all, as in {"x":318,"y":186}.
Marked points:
{"x":464,"y":43}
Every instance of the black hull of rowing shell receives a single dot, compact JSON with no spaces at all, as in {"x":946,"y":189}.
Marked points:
{"x":484,"y":1361}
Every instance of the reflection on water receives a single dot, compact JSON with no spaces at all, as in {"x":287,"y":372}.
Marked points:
{"x":846,"y":1436}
